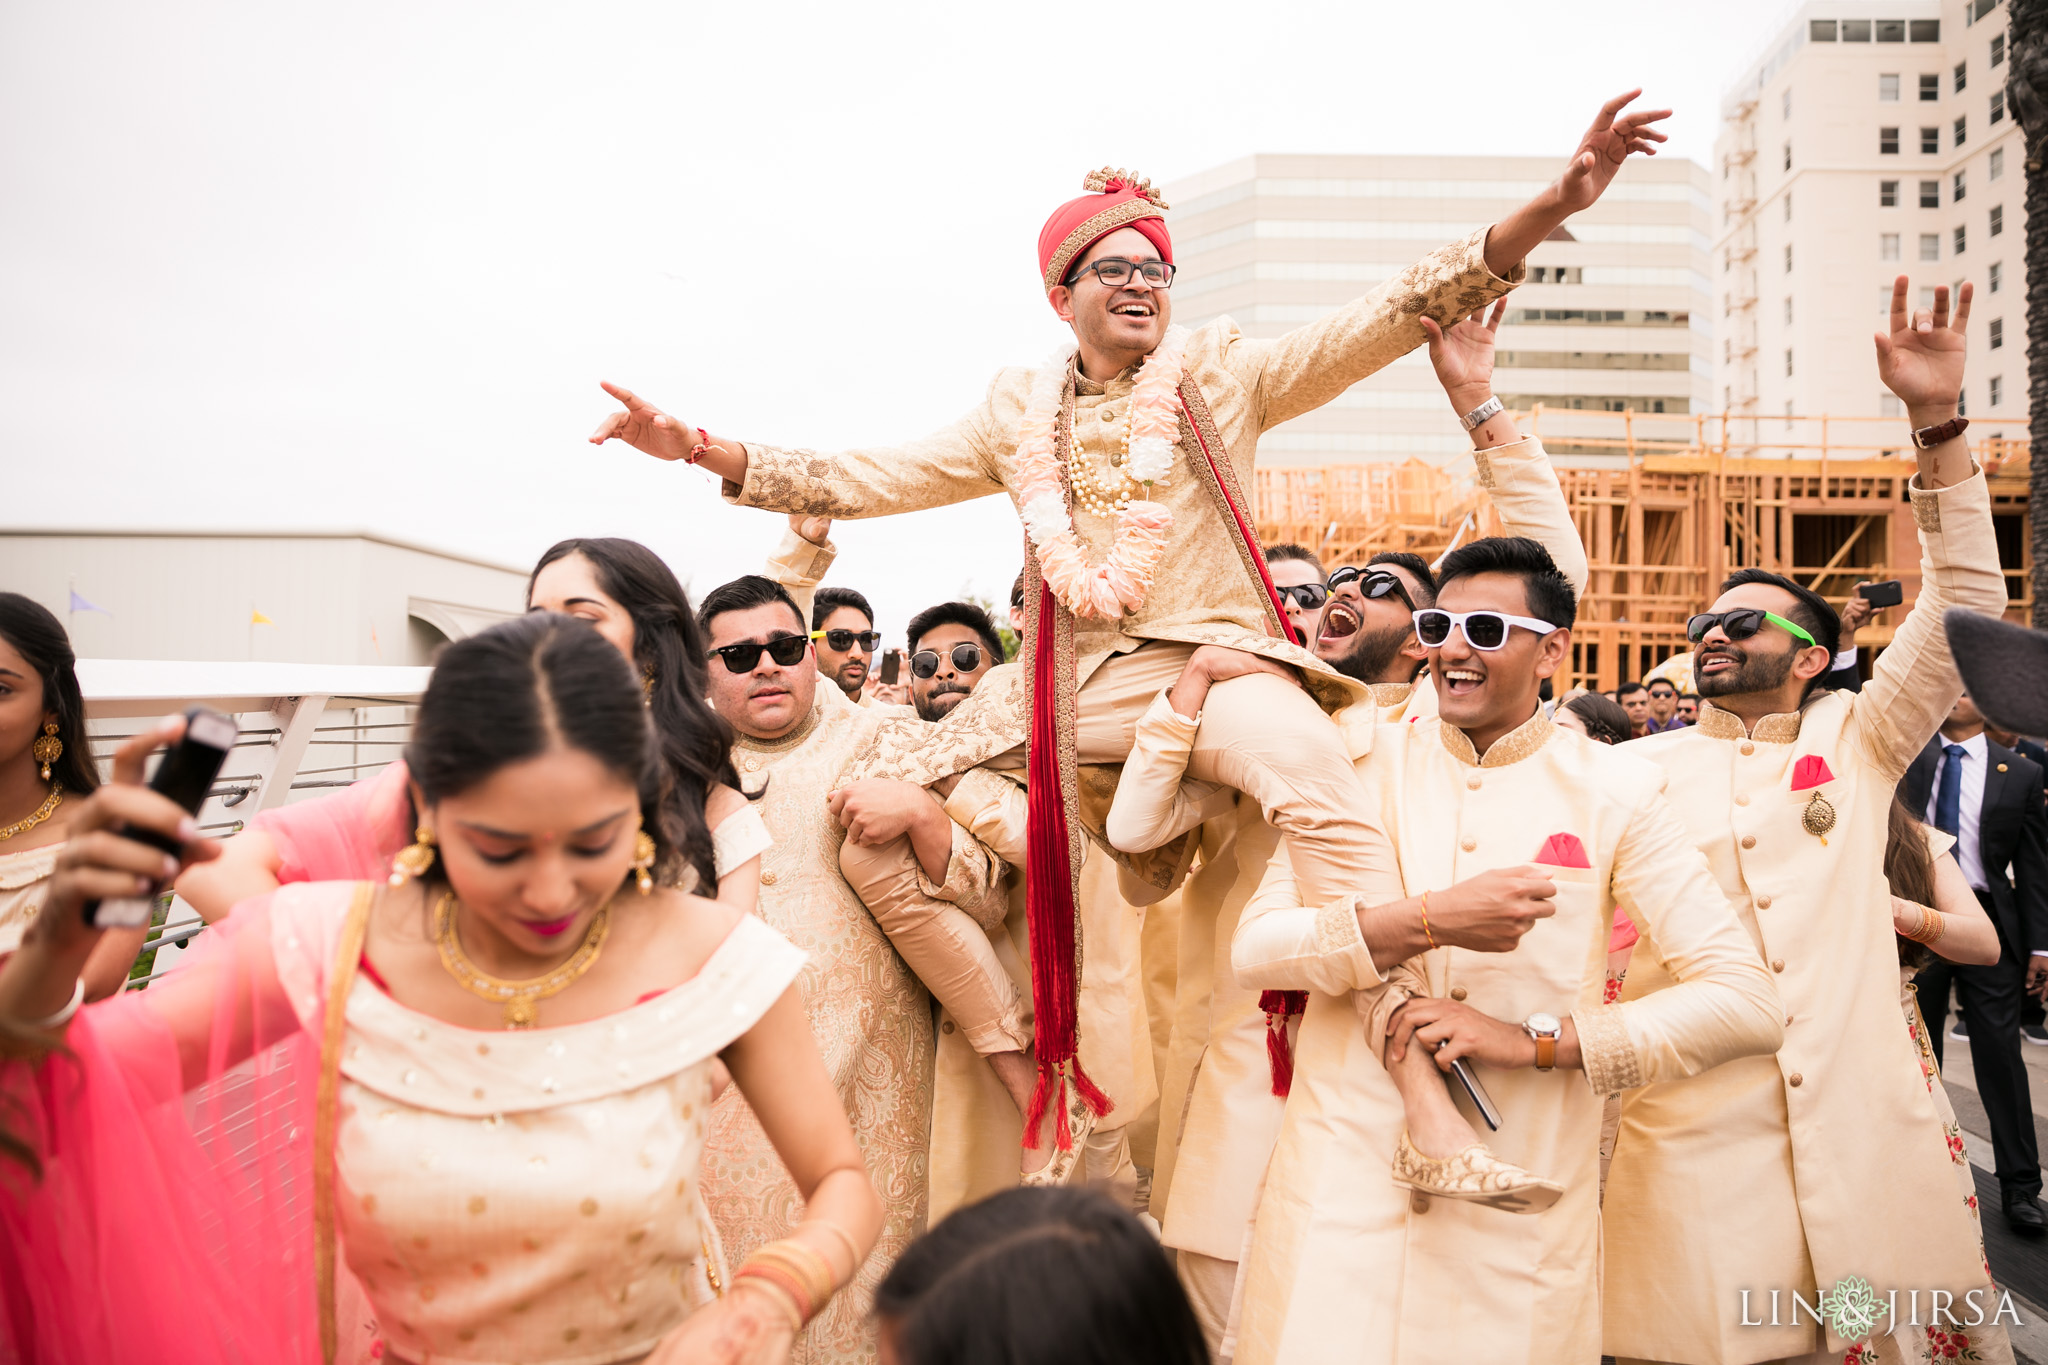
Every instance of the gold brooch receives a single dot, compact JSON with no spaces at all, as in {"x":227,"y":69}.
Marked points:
{"x":1818,"y":817}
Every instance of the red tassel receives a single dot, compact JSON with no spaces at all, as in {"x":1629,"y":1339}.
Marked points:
{"x":1062,"y":1130}
{"x":1279,"y":1056}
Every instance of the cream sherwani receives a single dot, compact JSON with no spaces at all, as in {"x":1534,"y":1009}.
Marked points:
{"x":1792,"y":1172}
{"x":871,"y":1017}
{"x":1422,"y":1280}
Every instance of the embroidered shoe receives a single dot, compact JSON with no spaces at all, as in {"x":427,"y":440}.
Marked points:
{"x":1476,"y":1176}
{"x":1065,"y":1167}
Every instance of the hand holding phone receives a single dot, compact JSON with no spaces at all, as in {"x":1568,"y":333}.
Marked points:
{"x":892,"y":667}
{"x":1889,"y":593}
{"x":185,"y":777}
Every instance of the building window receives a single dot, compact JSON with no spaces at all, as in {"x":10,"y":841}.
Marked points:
{"x":1930,"y":85}
{"x":1930,"y":246}
{"x":1788,"y":362}
{"x":1788,"y":206}
{"x":1930,"y":140}
{"x":1785,"y":102}
{"x":1788,"y":153}
{"x":1998,"y":106}
{"x":1956,"y":187}
{"x":1855,"y":30}
{"x":1887,"y":194}
{"x":1997,"y":48}
{"x":1926,"y":30}
{"x":1997,"y":391}
{"x":1927,"y":297}
{"x":1788,"y":310}
{"x":1995,"y":333}
{"x":1820,"y":31}
{"x":1888,"y":141}
{"x":1996,"y":275}
{"x":1888,"y":88}
{"x":1959,"y":132}
{"x":1959,"y":241}
{"x":1962,"y":76}
{"x":1890,"y":30}
{"x":1788,"y":258}
{"x":1888,"y":246}
{"x":1997,"y":162}
{"x":1997,"y":219}
{"x":1888,"y":405}
{"x":1930,"y":194}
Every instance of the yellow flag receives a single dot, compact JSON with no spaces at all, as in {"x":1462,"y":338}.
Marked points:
{"x":257,"y":618}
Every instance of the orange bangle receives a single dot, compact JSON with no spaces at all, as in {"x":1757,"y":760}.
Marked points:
{"x":1425,"y":921}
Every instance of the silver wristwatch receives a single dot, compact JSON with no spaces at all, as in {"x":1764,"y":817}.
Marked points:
{"x":1545,"y":1030}
{"x":1489,"y":408}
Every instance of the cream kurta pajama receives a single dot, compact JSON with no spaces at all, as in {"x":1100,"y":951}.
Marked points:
{"x":1796,"y":1171}
{"x":1432,"y":1280}
{"x":871,"y":1018}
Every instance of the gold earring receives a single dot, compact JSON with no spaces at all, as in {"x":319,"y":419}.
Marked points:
{"x":415,"y":859}
{"x":643,"y":861}
{"x":647,"y":680}
{"x":48,"y":748}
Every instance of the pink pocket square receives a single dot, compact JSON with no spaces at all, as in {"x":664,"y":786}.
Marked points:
{"x":1810,"y":771}
{"x":1563,"y":850}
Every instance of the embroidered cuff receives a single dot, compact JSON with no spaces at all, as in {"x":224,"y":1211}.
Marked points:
{"x":968,"y":873}
{"x":1606,"y":1051}
{"x":797,"y":562}
{"x":1927,"y":502}
{"x":791,"y":481}
{"x":1337,"y":928}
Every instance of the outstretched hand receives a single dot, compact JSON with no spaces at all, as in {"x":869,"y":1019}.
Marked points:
{"x":644,"y":427}
{"x":1609,"y":142}
{"x":1463,"y":355}
{"x":1921,"y":359}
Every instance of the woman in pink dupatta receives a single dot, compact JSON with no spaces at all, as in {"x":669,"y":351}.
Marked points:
{"x":505,"y":1184}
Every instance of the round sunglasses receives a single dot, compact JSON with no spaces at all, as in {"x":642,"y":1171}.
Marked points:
{"x":785,"y":650}
{"x":925,"y":662}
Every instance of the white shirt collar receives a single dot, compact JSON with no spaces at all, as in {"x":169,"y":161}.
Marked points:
{"x":1973,"y":746}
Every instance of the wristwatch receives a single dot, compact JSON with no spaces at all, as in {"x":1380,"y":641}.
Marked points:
{"x":1927,"y":438}
{"x":1491,"y":407}
{"x":1546,"y":1030}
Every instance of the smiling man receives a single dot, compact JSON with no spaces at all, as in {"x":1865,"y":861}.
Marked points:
{"x":871,"y":1017}
{"x":1517,"y":841}
{"x":1126,"y":456}
{"x":1298,"y":576}
{"x":1788,"y":1174}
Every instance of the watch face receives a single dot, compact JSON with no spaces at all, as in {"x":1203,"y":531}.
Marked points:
{"x":1543,"y":1023}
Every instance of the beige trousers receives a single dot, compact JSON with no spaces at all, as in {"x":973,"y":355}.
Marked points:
{"x":1211,"y":1286}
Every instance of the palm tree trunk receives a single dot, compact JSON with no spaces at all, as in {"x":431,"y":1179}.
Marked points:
{"x":2027,"y":94}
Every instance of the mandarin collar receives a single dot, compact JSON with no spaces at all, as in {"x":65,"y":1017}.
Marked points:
{"x":1514,"y":746}
{"x":1781,"y":728}
{"x":1084,"y":386}
{"x":1390,"y":694}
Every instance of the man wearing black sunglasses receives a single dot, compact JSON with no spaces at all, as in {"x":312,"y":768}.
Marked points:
{"x":1826,"y":1160}
{"x":843,"y":630}
{"x":1298,"y":577}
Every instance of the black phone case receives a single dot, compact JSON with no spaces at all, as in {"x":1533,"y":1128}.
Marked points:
{"x":186,"y":775}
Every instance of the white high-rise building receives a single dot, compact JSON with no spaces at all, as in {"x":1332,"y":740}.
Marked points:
{"x":1871,"y":140}
{"x":1616,"y":313}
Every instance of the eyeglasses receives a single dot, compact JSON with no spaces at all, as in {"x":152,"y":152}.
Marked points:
{"x":1116,"y":273}
{"x":925,"y":662}
{"x":1373,"y":584}
{"x":842,"y":640}
{"x":1487,"y":630}
{"x":1307,"y":596}
{"x":1740,"y":623}
{"x":785,"y":650}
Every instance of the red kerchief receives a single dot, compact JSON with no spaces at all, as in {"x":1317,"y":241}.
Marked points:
{"x":1115,"y":199}
{"x":1810,"y":771}
{"x":1563,"y":850}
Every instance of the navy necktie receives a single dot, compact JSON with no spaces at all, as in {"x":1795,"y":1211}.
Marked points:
{"x":1948,"y":802}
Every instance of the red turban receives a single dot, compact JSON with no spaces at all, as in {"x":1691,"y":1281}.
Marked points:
{"x":1115,"y":199}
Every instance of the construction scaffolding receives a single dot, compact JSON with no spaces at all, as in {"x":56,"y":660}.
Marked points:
{"x":1667,"y":508}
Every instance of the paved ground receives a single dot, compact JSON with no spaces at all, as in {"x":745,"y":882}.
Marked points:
{"x":2020,"y":1264}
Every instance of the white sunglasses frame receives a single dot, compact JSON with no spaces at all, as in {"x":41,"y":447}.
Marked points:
{"x":1458,"y":619}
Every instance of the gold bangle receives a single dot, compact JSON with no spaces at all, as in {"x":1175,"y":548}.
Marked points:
{"x":1425,"y":920}
{"x":799,"y":1269}
{"x":776,"y":1294}
{"x":845,"y":1240}
{"x":1933,"y":924}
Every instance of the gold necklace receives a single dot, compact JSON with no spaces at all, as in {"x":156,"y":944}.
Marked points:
{"x":41,"y":813}
{"x":519,"y":997}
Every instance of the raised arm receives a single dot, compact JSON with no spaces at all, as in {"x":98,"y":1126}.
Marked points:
{"x":1513,"y":469}
{"x":1311,"y":365}
{"x":1155,"y":801}
{"x":1914,"y":682}
{"x":952,"y":465}
{"x":802,"y":558}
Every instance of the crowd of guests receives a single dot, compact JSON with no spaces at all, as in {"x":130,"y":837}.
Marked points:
{"x":1263,"y":967}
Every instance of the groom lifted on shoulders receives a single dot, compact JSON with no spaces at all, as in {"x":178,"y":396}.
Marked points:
{"x":1125,"y":457}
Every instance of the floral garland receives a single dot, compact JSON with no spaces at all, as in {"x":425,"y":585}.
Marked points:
{"x":1119,"y":584}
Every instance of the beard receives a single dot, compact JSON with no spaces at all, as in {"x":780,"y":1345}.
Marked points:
{"x":1371,"y":655}
{"x":1752,"y":673}
{"x":928,"y":707}
{"x":851,"y":677}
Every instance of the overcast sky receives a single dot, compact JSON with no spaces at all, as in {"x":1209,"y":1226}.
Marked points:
{"x":362,"y":266}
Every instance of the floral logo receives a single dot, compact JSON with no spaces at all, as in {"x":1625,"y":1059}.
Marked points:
{"x":1853,"y":1308}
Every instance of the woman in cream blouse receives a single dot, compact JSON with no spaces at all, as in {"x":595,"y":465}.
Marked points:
{"x":519,"y":1084}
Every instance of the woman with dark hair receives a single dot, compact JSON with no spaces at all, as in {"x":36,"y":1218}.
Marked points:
{"x":45,"y":771}
{"x":1037,"y":1276}
{"x":1595,"y":715}
{"x":634,"y":601}
{"x":485,"y":1083}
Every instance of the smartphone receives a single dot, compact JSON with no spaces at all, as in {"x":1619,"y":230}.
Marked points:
{"x":1889,"y":593}
{"x":892,"y":666}
{"x":1476,"y":1092}
{"x":186,"y":775}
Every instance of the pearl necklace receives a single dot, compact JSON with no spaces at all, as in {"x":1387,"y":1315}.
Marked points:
{"x":40,"y":814}
{"x":1092,"y":489}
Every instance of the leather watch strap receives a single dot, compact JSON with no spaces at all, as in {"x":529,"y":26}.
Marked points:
{"x":1546,"y":1052}
{"x":1926,"y":438}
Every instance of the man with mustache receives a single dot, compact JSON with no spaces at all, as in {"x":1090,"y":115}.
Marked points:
{"x":798,"y":736}
{"x":1220,"y":1071}
{"x":1791,"y":1174}
{"x":952,"y":646}
{"x":1126,"y":456}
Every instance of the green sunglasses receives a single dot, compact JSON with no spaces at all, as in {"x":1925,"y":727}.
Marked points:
{"x":1741,"y":623}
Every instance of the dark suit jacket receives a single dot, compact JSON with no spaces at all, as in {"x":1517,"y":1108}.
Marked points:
{"x":2012,"y":828}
